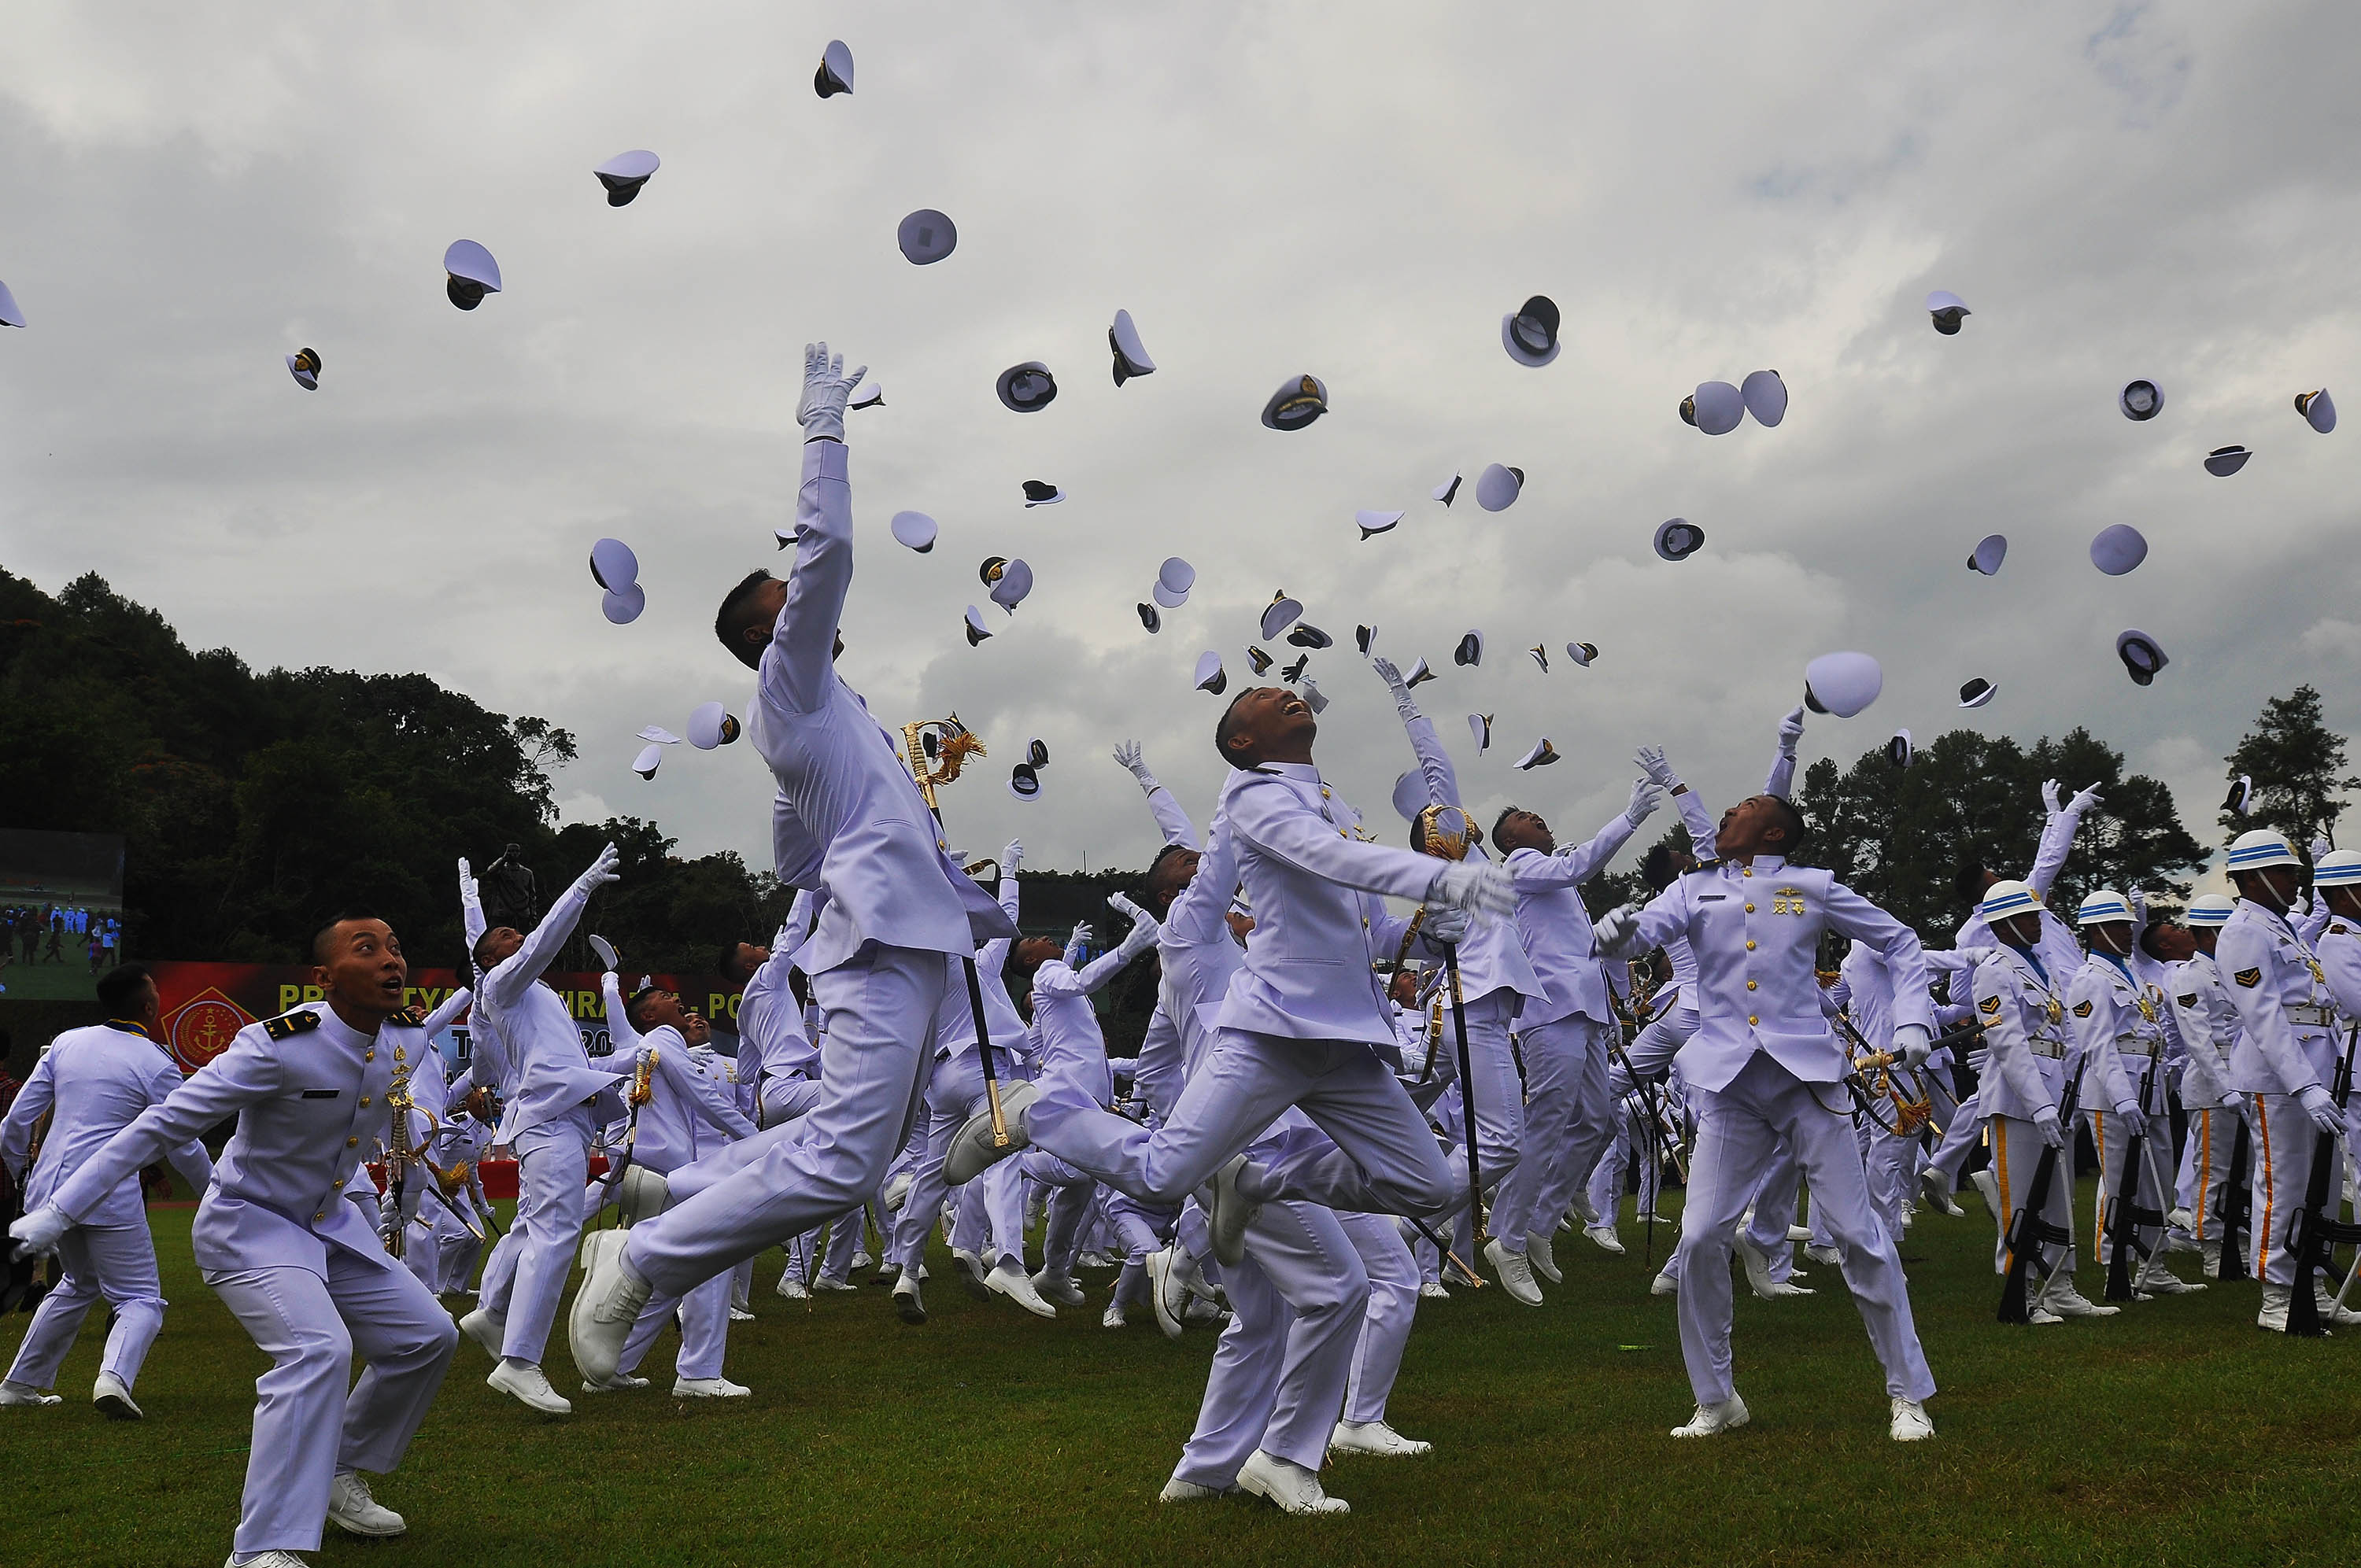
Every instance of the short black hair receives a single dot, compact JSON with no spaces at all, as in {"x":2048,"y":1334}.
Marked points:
{"x":1799,"y":832}
{"x":119,"y":988}
{"x":1656,"y":866}
{"x":1153,"y":879}
{"x":320,"y":937}
{"x":1968,"y":882}
{"x":730,"y":622}
{"x":1506,"y":812}
{"x":2148,"y":933}
{"x":729,"y":967}
{"x":476,"y":951}
{"x":1226,"y":728}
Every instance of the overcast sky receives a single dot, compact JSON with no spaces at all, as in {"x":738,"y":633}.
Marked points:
{"x":1359,"y":190}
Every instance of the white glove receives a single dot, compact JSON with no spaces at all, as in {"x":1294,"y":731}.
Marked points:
{"x":1143,"y":933}
{"x":1616,"y":931}
{"x":469,"y":896}
{"x":1446,"y":926}
{"x":2233,"y":1100}
{"x":1912,"y":1044}
{"x":2084,"y":801}
{"x":1127,"y":754}
{"x":2044,"y":1122}
{"x":1479,"y":887}
{"x":602,"y":872}
{"x":1649,"y":759}
{"x":1645,"y":798}
{"x":2321,"y":1106}
{"x":2134,"y":1123}
{"x":38,"y":1232}
{"x":1122,"y":904}
{"x":1011,"y":855}
{"x":826,"y":388}
{"x":1389,"y":673}
{"x":2050,"y":797}
{"x":1791,"y":730}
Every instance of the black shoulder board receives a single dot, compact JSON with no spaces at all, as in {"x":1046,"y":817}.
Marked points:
{"x":287,"y":1025}
{"x":1703,"y":866}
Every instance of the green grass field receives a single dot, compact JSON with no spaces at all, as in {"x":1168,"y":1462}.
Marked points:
{"x":2177,"y":1432}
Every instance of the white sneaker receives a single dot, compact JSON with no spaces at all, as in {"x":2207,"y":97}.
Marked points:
{"x":1666,"y":1283}
{"x":1604,"y":1238}
{"x":1293,"y":1489}
{"x":529,"y":1385}
{"x":970,"y":1269}
{"x":621,"y":1383}
{"x":708,"y":1388}
{"x":1010,"y":1279}
{"x":972,"y":1152}
{"x":1113,"y":1317}
{"x":1910,"y":1422}
{"x":354,"y":1511}
{"x":263,"y":1560}
{"x":792,"y":1286}
{"x":833,"y":1286}
{"x":19,"y":1394}
{"x":2274,"y":1314}
{"x":1828,"y":1255}
{"x":1516,"y":1277}
{"x":1433,"y":1291}
{"x":1058,"y":1287}
{"x":1230,"y":1213}
{"x":485,"y":1330}
{"x":1176,"y":1490}
{"x":1376,"y":1438}
{"x":1985,"y":1182}
{"x":908,"y":1305}
{"x":604,"y":1309}
{"x":1166,"y":1294}
{"x":740,"y":1315}
{"x":113,"y":1399}
{"x":1541,"y":1258}
{"x":1709,"y":1420}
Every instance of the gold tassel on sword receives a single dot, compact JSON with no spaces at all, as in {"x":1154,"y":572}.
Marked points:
{"x":935,"y":750}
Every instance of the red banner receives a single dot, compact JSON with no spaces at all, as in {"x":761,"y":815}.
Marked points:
{"x":206,"y":1005}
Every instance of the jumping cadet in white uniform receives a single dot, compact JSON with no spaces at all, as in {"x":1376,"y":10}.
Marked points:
{"x":299,"y":1267}
{"x":1765,"y":1066}
{"x":847,"y":820}
{"x":91,"y":1083}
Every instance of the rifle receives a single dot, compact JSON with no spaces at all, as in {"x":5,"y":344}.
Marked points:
{"x":2026,"y":1236}
{"x":2125,"y":1214}
{"x":2311,"y":1230}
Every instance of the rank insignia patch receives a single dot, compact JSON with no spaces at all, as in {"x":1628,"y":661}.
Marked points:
{"x":2250,"y":978}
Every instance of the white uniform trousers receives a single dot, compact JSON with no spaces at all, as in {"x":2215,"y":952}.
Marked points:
{"x":116,"y":1262}
{"x":990,"y":1221}
{"x":1569,"y":1121}
{"x":2108,"y":1136}
{"x":1385,"y":1326}
{"x":704,"y":1328}
{"x":2281,"y":1162}
{"x":552,"y":1164}
{"x":758,"y":1191}
{"x":954,"y":1092}
{"x":785,"y":1097}
{"x":2016,"y":1151}
{"x":1740,"y":1128}
{"x":1282,"y":1366}
{"x":1383,"y":1159}
{"x":1071,"y":1195}
{"x":307,"y":1428}
{"x":1961,"y":1135}
{"x":2205,"y":1175}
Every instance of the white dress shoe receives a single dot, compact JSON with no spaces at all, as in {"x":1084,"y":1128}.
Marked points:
{"x":621,"y":1383}
{"x":1799,"y":1232}
{"x":2274,"y":1314}
{"x":2069,"y":1302}
{"x":2330,"y":1315}
{"x":529,"y":1385}
{"x":642,"y":1194}
{"x":2181,"y":1220}
{"x":833,"y":1286}
{"x":2038,"y":1315}
{"x":1666,"y":1282}
{"x":1985,"y":1182}
{"x":1010,"y":1279}
{"x":1230,"y":1213}
{"x":1176,"y":1490}
{"x":1113,"y":1317}
{"x":708,"y":1388}
{"x":113,"y":1399}
{"x":894,"y":1191}
{"x":1758,"y":1267}
{"x":1782,"y":1289}
{"x":973,"y":1151}
{"x":1604,"y":1238}
{"x":1094,"y":1260}
{"x":908,"y":1305}
{"x":1167,"y":1296}
{"x":792,"y":1286}
{"x":485,"y":1330}
{"x":1581,"y":1209}
{"x":862,"y":1260}
{"x":1293,"y":1489}
{"x":2157,"y":1280}
{"x":263,"y":1560}
{"x":354,"y":1511}
{"x":1727,"y":1416}
{"x":1375,"y":1438}
{"x":605,"y":1308}
{"x":1201,"y":1310}
{"x":740,"y":1315}
{"x":1516,"y":1275}
{"x":1820,"y":1253}
{"x":1058,"y":1289}
{"x":1541,"y":1259}
{"x":1936,"y":1188}
{"x":970,"y":1269}
{"x":18,"y":1394}
{"x":1910,"y":1422}
{"x":1433,"y":1291}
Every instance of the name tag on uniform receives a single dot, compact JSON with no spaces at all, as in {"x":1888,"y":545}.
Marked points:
{"x":321,"y":1093}
{"x":1711,"y":897}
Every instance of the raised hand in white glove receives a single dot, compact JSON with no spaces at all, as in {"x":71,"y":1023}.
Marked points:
{"x":602,"y":871}
{"x":2050,"y":797}
{"x":1912,"y":1044}
{"x":1127,"y":754}
{"x":1790,"y":730}
{"x":1479,"y":887}
{"x":1617,"y":931}
{"x":2084,"y":801}
{"x":1391,"y":673}
{"x":1122,"y":904}
{"x":1645,"y":798}
{"x":2045,"y":1123}
{"x":1446,"y":926}
{"x":1080,"y":937}
{"x":1011,"y":855}
{"x":2321,"y":1106}
{"x":1649,"y":759}
{"x":38,"y":1232}
{"x":2129,"y":1116}
{"x":826,"y":388}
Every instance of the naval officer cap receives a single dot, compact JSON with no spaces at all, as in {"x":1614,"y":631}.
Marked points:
{"x":1010,"y":584}
{"x":2141,"y":656}
{"x":1211,"y":676}
{"x":1037,"y":751}
{"x":613,"y":564}
{"x":1130,"y":355}
{"x":1279,"y":614}
{"x":624,"y":173}
{"x":659,"y":735}
{"x":1042,"y":493}
{"x":2118,"y":548}
{"x":869,"y":394}
{"x":2241,"y":798}
{"x":469,"y":274}
{"x":2224,"y":461}
{"x":1365,"y":638}
{"x":1027,"y":388}
{"x":1303,"y":635}
{"x":1582,"y":652}
{"x":1480,"y":725}
{"x":2318,"y":408}
{"x":1898,"y":751}
{"x":1539,"y":655}
{"x":1409,"y":795}
{"x":2338,"y":868}
{"x":1977,"y":692}
{"x":927,"y":237}
{"x":2103,"y":906}
{"x":1024,"y":782}
{"x":1471,"y":651}
{"x":1530,"y":334}
{"x":1541,"y":755}
{"x":1715,"y":407}
{"x":11,"y":314}
{"x":976,"y":630}
{"x":835,"y":73}
{"x":1989,"y":552}
{"x":1418,"y":672}
{"x":2140,"y":400}
{"x":304,"y":366}
{"x":622,"y":605}
{"x":1258,"y":660}
{"x":1447,"y":490}
{"x":2209,"y":911}
{"x":1947,"y":309}
{"x":1766,"y":396}
{"x":1150,"y":619}
{"x":2257,"y":848}
{"x":1176,"y":575}
{"x":2005,"y":898}
{"x":1372,"y":522}
{"x":1843,"y":684}
{"x":711,"y":725}
{"x":914,"y":531}
{"x":1678,"y":539}
{"x":1171,"y":598}
{"x":1498,"y":486}
{"x":1298,"y":400}
{"x":649,"y":758}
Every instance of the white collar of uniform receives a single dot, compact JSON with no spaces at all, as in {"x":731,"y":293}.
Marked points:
{"x":336,"y":1029}
{"x":2268,"y":914}
{"x":1304,"y":773}
{"x":1765,"y":864}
